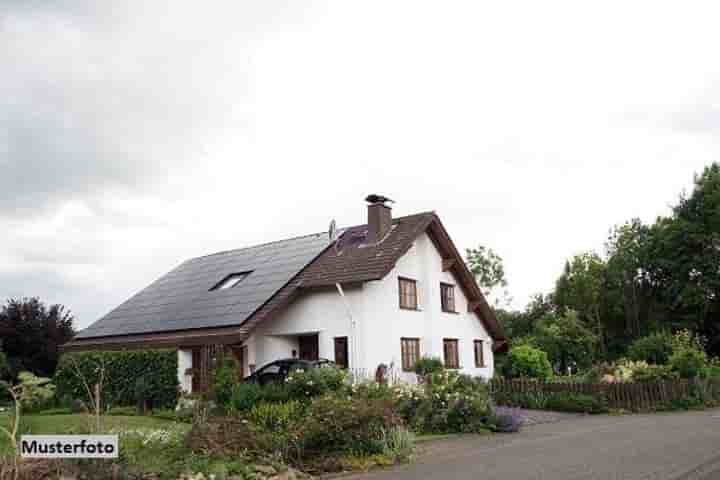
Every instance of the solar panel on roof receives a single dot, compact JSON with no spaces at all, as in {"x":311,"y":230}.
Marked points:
{"x":184,"y":298}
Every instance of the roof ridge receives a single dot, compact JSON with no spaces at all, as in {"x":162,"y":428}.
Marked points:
{"x":258,"y":245}
{"x":404,"y":217}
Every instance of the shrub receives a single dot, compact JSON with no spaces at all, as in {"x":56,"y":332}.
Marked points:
{"x":428,"y":365}
{"x":340,"y":424}
{"x":688,"y":362}
{"x":653,"y":373}
{"x":4,"y":366}
{"x":122,"y":368}
{"x":451,"y":402}
{"x":623,"y":370}
{"x":656,"y":348}
{"x":275,"y":417}
{"x":398,"y":444}
{"x":527,"y":361}
{"x":244,"y":396}
{"x":506,"y":420}
{"x":315,"y":382}
{"x":225,"y":377}
{"x":558,"y":401}
{"x":577,"y":402}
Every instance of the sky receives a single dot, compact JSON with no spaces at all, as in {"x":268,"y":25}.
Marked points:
{"x":135,"y":135}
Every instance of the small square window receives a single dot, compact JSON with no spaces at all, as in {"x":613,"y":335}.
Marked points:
{"x":230,"y":281}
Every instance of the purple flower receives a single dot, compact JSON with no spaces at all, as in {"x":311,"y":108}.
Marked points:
{"x":508,"y":419}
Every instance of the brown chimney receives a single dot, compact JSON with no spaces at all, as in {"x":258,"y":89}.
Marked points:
{"x":379,"y":218}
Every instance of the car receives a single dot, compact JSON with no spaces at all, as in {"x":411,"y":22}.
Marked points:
{"x":278,"y":371}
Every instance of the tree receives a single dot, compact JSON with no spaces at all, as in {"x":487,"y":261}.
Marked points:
{"x":487,"y":266}
{"x":631,"y":281}
{"x":527,"y":361}
{"x":32,"y":333}
{"x":581,"y":288}
{"x":567,"y":341}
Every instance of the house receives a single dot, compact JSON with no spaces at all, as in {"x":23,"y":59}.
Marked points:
{"x":386,"y":292}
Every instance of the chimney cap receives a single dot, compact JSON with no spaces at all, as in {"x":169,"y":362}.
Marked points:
{"x":375,"y":198}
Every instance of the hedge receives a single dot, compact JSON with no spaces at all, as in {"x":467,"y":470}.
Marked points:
{"x":157,"y":368}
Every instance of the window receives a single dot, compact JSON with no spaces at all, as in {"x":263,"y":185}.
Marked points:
{"x":447,"y":297}
{"x":450,"y":351}
{"x":408,"y":293}
{"x":479,"y":354}
{"x":410,"y":350}
{"x":230,"y":281}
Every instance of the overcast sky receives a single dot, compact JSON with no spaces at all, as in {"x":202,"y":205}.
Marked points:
{"x":136,"y":134}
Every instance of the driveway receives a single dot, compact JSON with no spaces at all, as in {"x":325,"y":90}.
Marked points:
{"x":664,"y":446}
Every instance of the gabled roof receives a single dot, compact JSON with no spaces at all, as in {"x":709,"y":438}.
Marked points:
{"x":282,"y":270}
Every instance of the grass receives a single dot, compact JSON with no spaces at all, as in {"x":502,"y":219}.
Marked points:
{"x":75,"y":423}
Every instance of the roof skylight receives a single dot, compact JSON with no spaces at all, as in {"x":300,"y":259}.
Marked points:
{"x":231,"y":280}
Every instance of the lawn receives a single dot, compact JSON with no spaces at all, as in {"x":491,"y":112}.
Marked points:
{"x":64,"y":424}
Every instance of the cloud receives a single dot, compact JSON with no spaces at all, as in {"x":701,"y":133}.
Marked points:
{"x":136,"y":134}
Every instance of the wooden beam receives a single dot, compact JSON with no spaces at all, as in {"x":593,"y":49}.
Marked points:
{"x":472,"y":306}
{"x":447,"y":264}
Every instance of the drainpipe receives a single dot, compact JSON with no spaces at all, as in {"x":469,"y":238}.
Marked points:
{"x":353,"y":335}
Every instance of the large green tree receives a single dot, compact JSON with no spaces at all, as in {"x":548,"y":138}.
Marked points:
{"x":686,"y":256}
{"x":568,"y":342}
{"x":32,"y":333}
{"x":581,"y":288}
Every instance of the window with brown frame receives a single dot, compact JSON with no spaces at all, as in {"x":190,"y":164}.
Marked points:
{"x":450,"y":352}
{"x":447,"y":297}
{"x":408,"y":293}
{"x":479,"y":354}
{"x":410,"y":352}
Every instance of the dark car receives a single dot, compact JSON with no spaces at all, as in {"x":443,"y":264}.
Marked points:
{"x":277,"y":371}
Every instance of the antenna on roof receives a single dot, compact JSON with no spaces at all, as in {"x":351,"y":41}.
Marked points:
{"x":332,"y":230}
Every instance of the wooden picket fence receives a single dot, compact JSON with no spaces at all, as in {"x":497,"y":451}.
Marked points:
{"x":628,"y":396}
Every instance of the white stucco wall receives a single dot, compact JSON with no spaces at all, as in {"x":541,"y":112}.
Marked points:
{"x":380,"y":323}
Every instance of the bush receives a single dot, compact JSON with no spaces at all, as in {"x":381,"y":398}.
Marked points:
{"x":655,"y":348}
{"x":275,"y":417}
{"x":577,"y":402}
{"x":244,"y":396}
{"x":122,"y":368}
{"x":527,"y":361}
{"x":428,"y":365}
{"x":558,"y":401}
{"x":225,"y":377}
{"x":506,"y":420}
{"x":314,"y":382}
{"x":337,"y":424}
{"x":688,"y":362}
{"x":653,"y":373}
{"x":450,"y":403}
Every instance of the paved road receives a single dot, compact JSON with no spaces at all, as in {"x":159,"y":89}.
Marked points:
{"x":668,"y":446}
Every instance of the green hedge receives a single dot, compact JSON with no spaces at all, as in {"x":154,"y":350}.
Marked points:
{"x":158,"y":369}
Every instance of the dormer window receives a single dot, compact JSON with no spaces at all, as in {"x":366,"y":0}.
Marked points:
{"x":230,"y":281}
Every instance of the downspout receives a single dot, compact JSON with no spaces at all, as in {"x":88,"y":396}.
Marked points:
{"x":353,"y":335}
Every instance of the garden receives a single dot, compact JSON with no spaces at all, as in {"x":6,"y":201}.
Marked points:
{"x":317,"y":421}
{"x":661,"y":371}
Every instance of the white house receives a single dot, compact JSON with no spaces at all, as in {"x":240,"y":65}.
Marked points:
{"x":386,"y":292}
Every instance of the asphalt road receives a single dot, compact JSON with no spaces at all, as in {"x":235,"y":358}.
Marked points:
{"x":665,"y":446}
